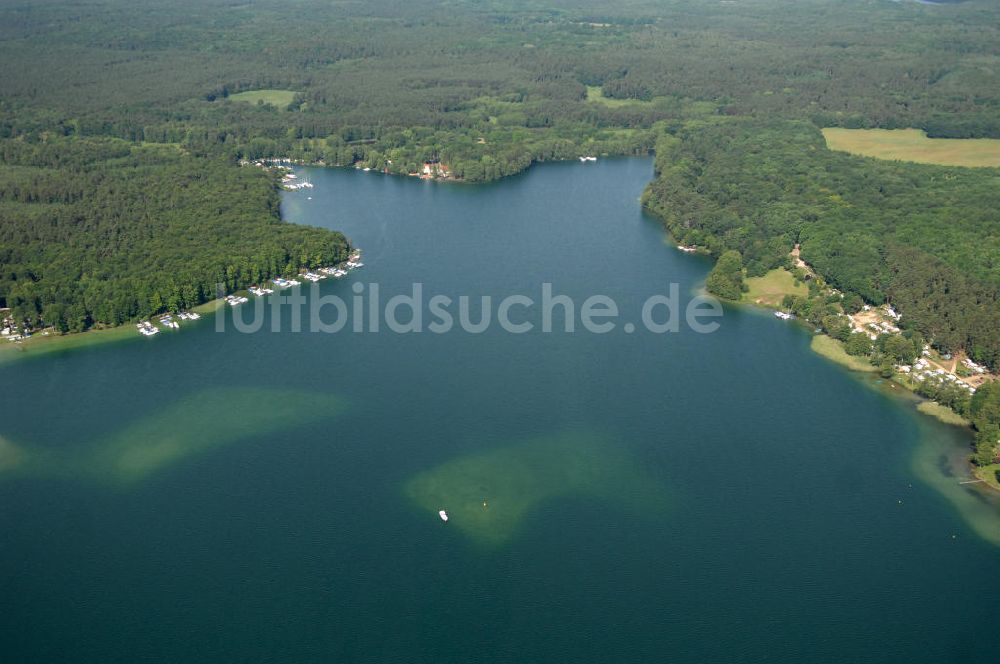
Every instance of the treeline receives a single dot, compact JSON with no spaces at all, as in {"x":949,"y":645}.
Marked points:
{"x":145,"y":71}
{"x":984,"y":411}
{"x":98,"y":231}
{"x":488,"y":87}
{"x":925,"y":238}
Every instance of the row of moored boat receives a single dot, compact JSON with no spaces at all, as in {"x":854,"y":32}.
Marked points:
{"x":279,"y":283}
{"x":147,"y":329}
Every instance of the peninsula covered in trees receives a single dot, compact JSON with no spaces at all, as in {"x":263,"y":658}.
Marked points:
{"x":98,"y":230}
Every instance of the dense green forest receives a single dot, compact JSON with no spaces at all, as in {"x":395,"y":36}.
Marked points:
{"x":103,"y":231}
{"x":120,"y":191}
{"x":925,"y":238}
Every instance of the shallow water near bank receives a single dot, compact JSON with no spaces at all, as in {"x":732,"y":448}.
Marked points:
{"x":488,"y":495}
{"x":682,"y":497}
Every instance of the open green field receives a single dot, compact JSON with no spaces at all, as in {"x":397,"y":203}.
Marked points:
{"x":913,"y":145}
{"x":770,"y":289}
{"x":277,"y":98}
{"x":833,"y":350}
{"x":595,"y":94}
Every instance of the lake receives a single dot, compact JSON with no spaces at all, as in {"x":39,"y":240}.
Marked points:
{"x":207,"y":496}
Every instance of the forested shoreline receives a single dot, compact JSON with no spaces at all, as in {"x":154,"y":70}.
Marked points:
{"x":121,"y":133}
{"x":925,"y":238}
{"x":101,"y":231}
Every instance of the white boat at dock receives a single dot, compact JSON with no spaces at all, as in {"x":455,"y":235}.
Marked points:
{"x":290,"y":182}
{"x":588,"y":158}
{"x":147,"y":329}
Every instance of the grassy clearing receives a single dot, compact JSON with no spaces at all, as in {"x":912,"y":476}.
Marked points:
{"x":833,"y":350}
{"x":943,"y":413}
{"x":276,"y":98}
{"x":595,"y":94}
{"x":989,"y":475}
{"x":770,"y":289}
{"x":913,"y":145}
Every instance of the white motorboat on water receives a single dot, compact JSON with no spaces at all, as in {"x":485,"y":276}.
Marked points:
{"x":443,"y":515}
